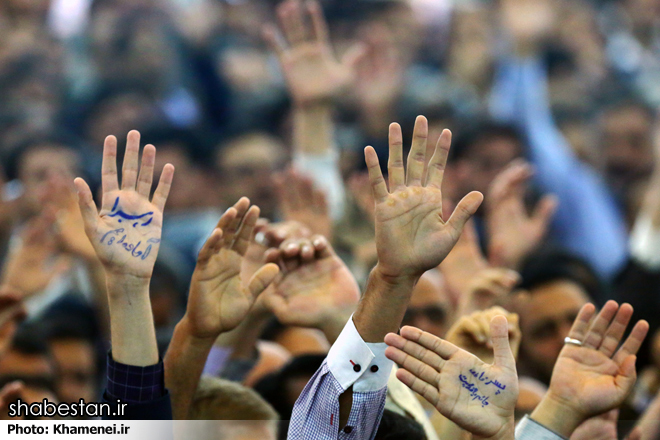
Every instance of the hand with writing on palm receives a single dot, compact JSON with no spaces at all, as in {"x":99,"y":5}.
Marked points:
{"x":219,"y":297}
{"x":411,"y":234}
{"x":126,"y":232}
{"x":478,"y":397}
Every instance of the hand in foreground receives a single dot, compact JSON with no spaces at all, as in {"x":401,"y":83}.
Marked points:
{"x":478,"y":397}
{"x":472,"y":333}
{"x":513,"y":233}
{"x":595,"y":377}
{"x":126,"y":232}
{"x":219,"y":298}
{"x":312,"y":72}
{"x":411,"y":234}
{"x":315,"y":288}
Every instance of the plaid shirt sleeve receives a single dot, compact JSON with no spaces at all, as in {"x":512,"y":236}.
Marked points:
{"x":351,"y":362}
{"x":133,"y":384}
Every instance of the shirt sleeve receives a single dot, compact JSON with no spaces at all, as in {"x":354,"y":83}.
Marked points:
{"x":588,"y":220}
{"x":354,"y":363}
{"x":528,"y":429}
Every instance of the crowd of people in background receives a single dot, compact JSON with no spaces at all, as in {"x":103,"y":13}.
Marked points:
{"x":248,"y":314}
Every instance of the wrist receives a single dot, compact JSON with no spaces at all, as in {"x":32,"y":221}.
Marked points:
{"x":507,"y":432}
{"x":123,"y":284}
{"x":187,"y":329}
{"x":392,"y":277}
{"x":557,"y":415}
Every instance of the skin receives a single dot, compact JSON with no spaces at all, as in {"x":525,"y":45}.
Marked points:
{"x":430,"y":291}
{"x":552,"y":307}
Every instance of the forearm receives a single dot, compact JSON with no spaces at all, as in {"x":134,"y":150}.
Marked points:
{"x":242,"y":341}
{"x":313,"y":129}
{"x":383,"y":305}
{"x":132,"y":330}
{"x":184,"y":363}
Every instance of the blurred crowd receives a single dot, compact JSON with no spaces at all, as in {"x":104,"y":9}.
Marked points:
{"x":552,"y":105}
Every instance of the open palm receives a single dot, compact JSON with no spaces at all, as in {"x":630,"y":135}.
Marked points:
{"x":219,"y":298}
{"x":311,"y":70}
{"x":478,"y":397}
{"x":411,"y":235}
{"x":126,"y":232}
{"x":596,"y":377}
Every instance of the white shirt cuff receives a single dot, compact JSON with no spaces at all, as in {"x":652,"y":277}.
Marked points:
{"x":356,"y":363}
{"x":645,"y":242}
{"x":528,"y":429}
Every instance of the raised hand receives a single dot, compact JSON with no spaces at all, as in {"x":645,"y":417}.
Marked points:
{"x":313,"y":73}
{"x":592,"y":376}
{"x":300,"y":201}
{"x":34,"y":263}
{"x":126,"y":232}
{"x":472,"y":333}
{"x":219,"y":298}
{"x":513,"y":233}
{"x":528,"y":22}
{"x":411,"y":234}
{"x":478,"y":397}
{"x":315,"y":288}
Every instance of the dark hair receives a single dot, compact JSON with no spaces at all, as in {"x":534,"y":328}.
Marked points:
{"x":30,"y":340}
{"x":273,"y":387}
{"x":471,"y":136}
{"x":394,"y":426}
{"x":17,"y":152}
{"x":195,"y":148}
{"x":550,"y":264}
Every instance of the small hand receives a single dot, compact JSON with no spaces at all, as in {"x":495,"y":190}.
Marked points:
{"x":596,"y":377}
{"x":34,"y":263}
{"x":9,"y":393}
{"x":513,"y":233}
{"x":478,"y":397}
{"x":411,"y":235}
{"x":315,"y":288}
{"x":472,"y":333}
{"x":312,"y":72}
{"x":126,"y":232}
{"x":219,"y":297}
{"x":301,"y":202}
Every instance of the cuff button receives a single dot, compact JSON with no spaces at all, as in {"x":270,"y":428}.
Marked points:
{"x":348,"y":429}
{"x":357,"y":368}
{"x":374,"y":368}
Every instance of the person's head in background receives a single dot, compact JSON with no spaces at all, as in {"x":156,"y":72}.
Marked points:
{"x":394,"y":426}
{"x":22,"y":10}
{"x":246,"y":164}
{"x":37,"y":160}
{"x":29,"y":360}
{"x":239,"y":412}
{"x":117,"y":109}
{"x":430,"y":308}
{"x":555,"y":286}
{"x":643,"y":15}
{"x":626,"y":139}
{"x":188,"y":153}
{"x":481,"y":152}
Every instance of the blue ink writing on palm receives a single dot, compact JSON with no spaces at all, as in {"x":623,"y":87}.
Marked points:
{"x":483,"y":378}
{"x":117,"y":212}
{"x":473,"y":390}
{"x":129,"y":247}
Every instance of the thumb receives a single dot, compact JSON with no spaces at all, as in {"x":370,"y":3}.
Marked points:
{"x":545,"y":210}
{"x":262,"y":278}
{"x":627,"y":374}
{"x":87,"y":206}
{"x":463,"y":211}
{"x":499,"y":331}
